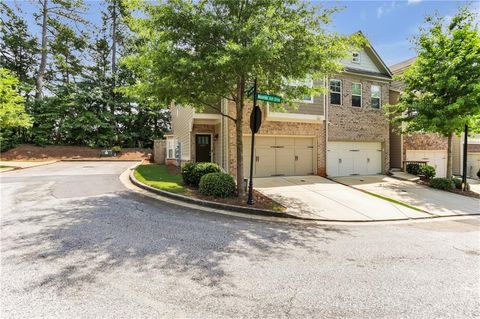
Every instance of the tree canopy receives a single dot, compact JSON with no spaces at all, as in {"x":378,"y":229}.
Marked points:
{"x":442,"y":87}
{"x":12,"y":104}
{"x":199,"y":52}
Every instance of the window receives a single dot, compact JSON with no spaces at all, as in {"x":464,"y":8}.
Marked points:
{"x":375,"y":97}
{"x":170,"y":148}
{"x":336,"y":92}
{"x":356,"y":94}
{"x":356,"y":57}
{"x":308,"y":83}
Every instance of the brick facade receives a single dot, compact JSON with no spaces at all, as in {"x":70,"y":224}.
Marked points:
{"x":202,"y":129}
{"x":362,"y":124}
{"x":423,"y":141}
{"x":276,"y":128}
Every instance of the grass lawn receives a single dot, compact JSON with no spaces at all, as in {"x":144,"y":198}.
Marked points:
{"x":159,"y":177}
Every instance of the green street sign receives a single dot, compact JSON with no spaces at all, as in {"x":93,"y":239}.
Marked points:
{"x":250,"y":91}
{"x":269,"y":98}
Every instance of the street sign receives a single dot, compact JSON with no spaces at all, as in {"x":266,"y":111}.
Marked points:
{"x":255,"y":119}
{"x":269,"y":98}
{"x":250,"y":91}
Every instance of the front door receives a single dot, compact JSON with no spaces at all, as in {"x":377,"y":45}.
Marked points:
{"x":203,"y":147}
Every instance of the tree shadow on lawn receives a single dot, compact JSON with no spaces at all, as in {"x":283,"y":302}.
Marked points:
{"x":81,"y":239}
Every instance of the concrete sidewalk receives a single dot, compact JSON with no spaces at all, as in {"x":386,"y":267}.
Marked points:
{"x":24,"y":164}
{"x":319,"y":198}
{"x":436,"y":202}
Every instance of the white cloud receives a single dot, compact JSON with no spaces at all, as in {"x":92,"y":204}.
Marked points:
{"x":386,"y":8}
{"x":414,"y":1}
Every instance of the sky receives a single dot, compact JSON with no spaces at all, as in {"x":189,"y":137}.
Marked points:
{"x":389,"y":25}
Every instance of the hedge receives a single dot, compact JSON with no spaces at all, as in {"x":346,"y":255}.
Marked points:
{"x":193,"y":172}
{"x":217,"y":185}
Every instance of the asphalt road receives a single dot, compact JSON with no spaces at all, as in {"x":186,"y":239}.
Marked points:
{"x":76,"y":244}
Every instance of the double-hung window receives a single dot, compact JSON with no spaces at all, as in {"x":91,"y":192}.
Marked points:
{"x":336,"y":92}
{"x":308,"y":82}
{"x":170,"y":148}
{"x":375,"y":97}
{"x":356,"y":94}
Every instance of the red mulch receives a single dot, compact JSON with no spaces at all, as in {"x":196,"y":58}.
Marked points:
{"x":261,"y":201}
{"x":53,"y":152}
{"x":456,"y":191}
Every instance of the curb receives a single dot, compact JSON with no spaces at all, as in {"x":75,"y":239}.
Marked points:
{"x":228,"y":207}
{"x":255,"y":212}
{"x":96,"y":160}
{"x":17,"y":168}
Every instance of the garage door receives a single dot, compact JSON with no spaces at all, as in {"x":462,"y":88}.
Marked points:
{"x":473,"y":164}
{"x":354,"y":158}
{"x":276,"y":156}
{"x":435,"y":158}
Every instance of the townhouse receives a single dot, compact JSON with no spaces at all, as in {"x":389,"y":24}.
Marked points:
{"x":344,"y":132}
{"x":429,"y":147}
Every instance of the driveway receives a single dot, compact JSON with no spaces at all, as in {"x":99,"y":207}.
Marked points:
{"x":319,"y":198}
{"x":434,"y":201}
{"x":76,"y":244}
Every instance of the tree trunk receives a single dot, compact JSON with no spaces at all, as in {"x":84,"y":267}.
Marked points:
{"x":449,"y":156}
{"x":43,"y":60}
{"x":239,"y":134}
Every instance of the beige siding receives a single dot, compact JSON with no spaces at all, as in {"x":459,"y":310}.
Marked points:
{"x":182,"y":118}
{"x":366,"y":63}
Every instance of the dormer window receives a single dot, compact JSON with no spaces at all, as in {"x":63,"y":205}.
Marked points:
{"x":356,"y":57}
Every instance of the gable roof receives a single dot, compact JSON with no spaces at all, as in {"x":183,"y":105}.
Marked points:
{"x":401,"y":66}
{"x":384,"y":71}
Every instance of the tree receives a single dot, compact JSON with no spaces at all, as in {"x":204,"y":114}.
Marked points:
{"x":199,"y":52}
{"x":12,"y":104}
{"x":442,"y":87}
{"x":18,"y":48}
{"x":52,"y":13}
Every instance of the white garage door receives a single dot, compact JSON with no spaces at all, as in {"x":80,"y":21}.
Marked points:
{"x":473,"y":164}
{"x":275,"y":156}
{"x":354,"y":158}
{"x":437,"y":159}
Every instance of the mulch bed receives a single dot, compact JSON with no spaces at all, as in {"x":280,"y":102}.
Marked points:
{"x":55,"y":152}
{"x":456,"y":191}
{"x":261,"y":201}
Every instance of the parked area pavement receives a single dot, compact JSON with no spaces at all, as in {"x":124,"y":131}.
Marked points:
{"x":437,"y":202}
{"x":24,"y":164}
{"x":474,"y":185}
{"x":320,"y":198}
{"x":76,"y":244}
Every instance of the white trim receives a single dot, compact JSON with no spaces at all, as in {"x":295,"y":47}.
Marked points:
{"x":379,"y":98}
{"x":295,"y":117}
{"x":377,"y":78}
{"x":361,"y":95}
{"x":310,"y":85}
{"x":330,"y":91}
{"x":357,"y":59}
{"x":207,"y":116}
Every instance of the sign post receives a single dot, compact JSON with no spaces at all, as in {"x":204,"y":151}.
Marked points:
{"x":255,"y":122}
{"x":465,"y":152}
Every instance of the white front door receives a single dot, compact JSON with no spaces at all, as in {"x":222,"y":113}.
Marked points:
{"x":354,"y":158}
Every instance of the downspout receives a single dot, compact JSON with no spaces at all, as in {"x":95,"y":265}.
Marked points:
{"x":325,"y":108}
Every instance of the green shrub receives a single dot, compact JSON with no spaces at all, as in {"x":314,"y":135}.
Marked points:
{"x":428,"y":171}
{"x":413,"y":168}
{"x":116,"y":149}
{"x":442,"y":183}
{"x":187,"y":173}
{"x":201,"y":169}
{"x":217,"y":185}
{"x":458,"y":183}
